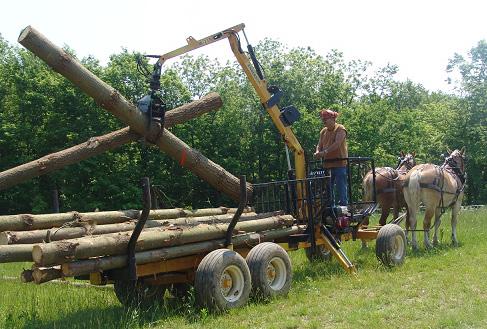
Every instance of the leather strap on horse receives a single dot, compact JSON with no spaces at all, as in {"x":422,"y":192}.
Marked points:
{"x":438,"y":185}
{"x":391,"y":179}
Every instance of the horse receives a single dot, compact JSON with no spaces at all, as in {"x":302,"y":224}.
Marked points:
{"x":388,"y":184}
{"x":439,"y":188}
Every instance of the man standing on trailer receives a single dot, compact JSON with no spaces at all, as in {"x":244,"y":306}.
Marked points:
{"x":333,"y":145}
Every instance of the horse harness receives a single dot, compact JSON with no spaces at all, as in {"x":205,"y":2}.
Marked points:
{"x":393,"y":175}
{"x":438,"y":183}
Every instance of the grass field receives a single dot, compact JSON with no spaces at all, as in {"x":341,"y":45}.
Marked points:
{"x":441,"y":288}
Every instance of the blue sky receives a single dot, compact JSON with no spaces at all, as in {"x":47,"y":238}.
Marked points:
{"x":418,"y":35}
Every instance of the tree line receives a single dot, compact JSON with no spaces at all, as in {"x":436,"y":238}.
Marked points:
{"x":41,"y":112}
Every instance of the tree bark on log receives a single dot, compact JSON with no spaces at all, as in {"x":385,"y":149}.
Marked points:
{"x":26,"y":276}
{"x":111,"y":100}
{"x":59,"y":252}
{"x":41,"y":275}
{"x":16,"y":253}
{"x":83,"y":267}
{"x":28,"y":222}
{"x":100,"y":144}
{"x":65,"y":233}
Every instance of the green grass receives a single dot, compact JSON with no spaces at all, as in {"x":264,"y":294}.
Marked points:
{"x":440,"y":288}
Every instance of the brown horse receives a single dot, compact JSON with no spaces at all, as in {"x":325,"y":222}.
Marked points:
{"x":438,"y":187}
{"x":388,"y":184}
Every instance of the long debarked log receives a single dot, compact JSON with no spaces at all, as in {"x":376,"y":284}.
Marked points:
{"x":111,"y":262}
{"x":111,"y":100}
{"x":16,"y":253}
{"x":56,"y":234}
{"x":26,"y":222}
{"x":59,"y":252}
{"x":100,"y":144}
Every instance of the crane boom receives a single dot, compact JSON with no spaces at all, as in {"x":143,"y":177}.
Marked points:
{"x":268,"y":95}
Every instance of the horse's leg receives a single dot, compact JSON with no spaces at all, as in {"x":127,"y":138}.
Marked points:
{"x":414,"y":241}
{"x":412,"y":202}
{"x":406,"y":224}
{"x":428,"y":214}
{"x":454,"y":217}
{"x":437,"y":225}
{"x":395,"y":211}
{"x":365,"y":223}
{"x":384,"y":215}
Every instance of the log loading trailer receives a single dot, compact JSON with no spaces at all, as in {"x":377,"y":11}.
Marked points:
{"x":224,"y":277}
{"x":243,"y":260}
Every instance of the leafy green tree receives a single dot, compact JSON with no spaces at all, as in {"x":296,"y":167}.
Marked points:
{"x":473,"y":131}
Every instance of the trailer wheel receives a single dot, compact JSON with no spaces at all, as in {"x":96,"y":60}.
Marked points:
{"x":320,"y":254}
{"x":222,"y":281}
{"x":138,"y":294}
{"x":270,"y":268}
{"x":390,"y":246}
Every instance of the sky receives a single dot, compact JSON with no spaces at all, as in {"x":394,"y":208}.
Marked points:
{"x":419,"y":36}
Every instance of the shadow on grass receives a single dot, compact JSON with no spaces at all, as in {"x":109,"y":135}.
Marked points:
{"x":307,"y":272}
{"x":185,"y":310}
{"x":116,"y":316}
{"x":432,"y":252}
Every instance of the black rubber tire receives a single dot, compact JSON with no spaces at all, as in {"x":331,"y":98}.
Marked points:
{"x":219,"y":268}
{"x":390,"y":246}
{"x":320,"y":254}
{"x":138,"y":294}
{"x":271,"y":271}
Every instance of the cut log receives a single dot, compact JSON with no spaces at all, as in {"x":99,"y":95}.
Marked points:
{"x":41,"y":275}
{"x":59,"y":252}
{"x":83,"y":267}
{"x":64,"y":233}
{"x":111,"y":100}
{"x":196,"y":162}
{"x":26,"y":276}
{"x":16,"y":253}
{"x":27,"y":222}
{"x":100,"y":144}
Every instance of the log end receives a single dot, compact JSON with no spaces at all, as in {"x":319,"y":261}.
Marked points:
{"x":26,"y":276}
{"x":4,"y":238}
{"x":24,"y":34}
{"x":37,"y":254}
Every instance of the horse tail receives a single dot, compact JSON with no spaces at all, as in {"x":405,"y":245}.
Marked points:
{"x":412,"y":190}
{"x":367,"y":187}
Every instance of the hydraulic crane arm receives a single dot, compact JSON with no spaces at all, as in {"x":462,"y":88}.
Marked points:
{"x":252,"y":71}
{"x":268,"y":95}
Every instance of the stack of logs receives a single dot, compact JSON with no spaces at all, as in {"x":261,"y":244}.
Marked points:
{"x":74,"y":244}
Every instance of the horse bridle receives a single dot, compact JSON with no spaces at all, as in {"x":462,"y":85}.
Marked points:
{"x":407,"y":162}
{"x":451,"y":163}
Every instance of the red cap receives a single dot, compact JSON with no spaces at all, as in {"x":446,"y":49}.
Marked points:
{"x":328,"y":114}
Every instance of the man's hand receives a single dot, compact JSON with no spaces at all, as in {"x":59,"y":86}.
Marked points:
{"x":318,"y":155}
